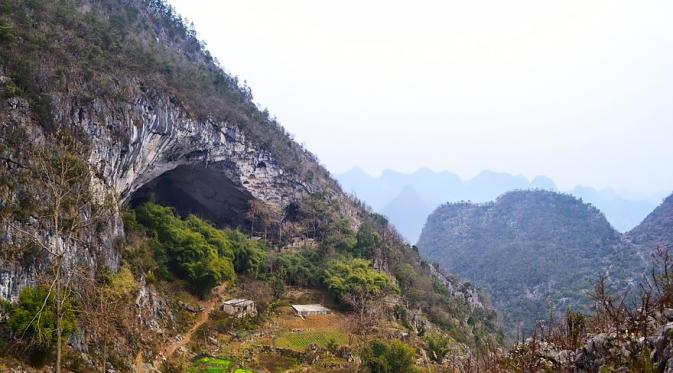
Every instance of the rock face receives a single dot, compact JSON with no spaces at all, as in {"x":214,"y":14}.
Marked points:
{"x":154,"y":113}
{"x":616,"y":351}
{"x":155,"y":136}
{"x":153,"y":146}
{"x":531,"y":250}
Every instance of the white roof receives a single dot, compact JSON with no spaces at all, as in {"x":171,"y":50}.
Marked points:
{"x":310,"y":308}
{"x":238,"y":302}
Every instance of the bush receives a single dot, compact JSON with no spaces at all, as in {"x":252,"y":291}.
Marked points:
{"x":195,"y":250}
{"x":438,"y":345}
{"x":33,"y":317}
{"x":249,"y":255}
{"x":300,"y":268}
{"x":355,"y":276}
{"x":389,"y":357}
{"x":120,"y":285}
{"x":215,"y":237}
{"x":368,"y":242}
{"x":190,"y":255}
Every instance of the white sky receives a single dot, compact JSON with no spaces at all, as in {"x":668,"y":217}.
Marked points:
{"x":580,"y":91}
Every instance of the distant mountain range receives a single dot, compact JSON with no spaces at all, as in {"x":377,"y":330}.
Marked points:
{"x":407,"y":199}
{"x":536,"y":251}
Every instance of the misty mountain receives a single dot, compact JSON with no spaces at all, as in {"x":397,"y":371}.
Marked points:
{"x":532,"y":250}
{"x":622,"y":213}
{"x":409,"y":205}
{"x":435,"y":188}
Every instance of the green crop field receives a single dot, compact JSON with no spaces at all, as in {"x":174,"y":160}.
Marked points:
{"x":300,"y":340}
{"x":211,"y":365}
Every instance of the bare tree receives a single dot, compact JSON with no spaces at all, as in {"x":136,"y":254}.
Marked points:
{"x":367,"y":306}
{"x":67,"y":209}
{"x":263,"y":215}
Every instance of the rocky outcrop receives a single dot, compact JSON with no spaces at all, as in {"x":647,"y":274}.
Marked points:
{"x":153,"y":145}
{"x":133,"y":144}
{"x":620,"y":351}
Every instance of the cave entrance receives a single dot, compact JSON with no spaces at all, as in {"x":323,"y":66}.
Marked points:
{"x":204,"y":192}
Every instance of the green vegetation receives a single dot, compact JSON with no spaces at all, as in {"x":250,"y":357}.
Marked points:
{"x":298,"y":341}
{"x":192,"y":249}
{"x":368,"y":242}
{"x":303,"y":268}
{"x":203,"y":260}
{"x":375,"y":240}
{"x":33,"y":318}
{"x":438,"y":346}
{"x":533,"y":251}
{"x":389,"y":357}
{"x":355,"y":276}
{"x":209,"y":364}
{"x":204,"y":256}
{"x":250,"y":257}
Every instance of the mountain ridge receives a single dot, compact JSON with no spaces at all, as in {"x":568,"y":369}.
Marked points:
{"x":436,"y":188}
{"x":513,"y":246}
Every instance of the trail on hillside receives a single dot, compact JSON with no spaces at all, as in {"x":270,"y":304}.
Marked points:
{"x":208,"y":306}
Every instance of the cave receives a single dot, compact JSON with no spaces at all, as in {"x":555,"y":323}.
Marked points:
{"x":205,"y":192}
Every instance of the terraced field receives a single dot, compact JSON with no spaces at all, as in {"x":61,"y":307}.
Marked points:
{"x":299,"y":341}
{"x":215,"y":365}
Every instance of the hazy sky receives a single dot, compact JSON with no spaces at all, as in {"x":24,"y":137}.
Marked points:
{"x":581,"y":91}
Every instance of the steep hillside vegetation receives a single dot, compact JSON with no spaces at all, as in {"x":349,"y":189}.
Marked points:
{"x":617,"y":336}
{"x":656,"y":229}
{"x":534,"y":251}
{"x":106,"y":106}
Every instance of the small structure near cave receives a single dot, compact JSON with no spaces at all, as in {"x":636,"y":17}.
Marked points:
{"x":304,"y":310}
{"x":239,"y":307}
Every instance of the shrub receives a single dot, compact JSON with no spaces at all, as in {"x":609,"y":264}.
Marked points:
{"x":389,"y":357}
{"x":120,"y":285}
{"x":406,"y":275}
{"x":368,"y":242}
{"x":438,"y":345}
{"x":338,"y":237}
{"x":355,"y":276}
{"x":249,"y":255}
{"x":215,"y":237}
{"x":193,"y":250}
{"x":300,"y":268}
{"x":33,"y":318}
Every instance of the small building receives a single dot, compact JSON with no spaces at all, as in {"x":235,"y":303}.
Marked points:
{"x":304,"y":310}
{"x":239,"y":307}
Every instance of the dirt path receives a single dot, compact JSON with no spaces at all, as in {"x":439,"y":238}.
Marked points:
{"x":208,"y":306}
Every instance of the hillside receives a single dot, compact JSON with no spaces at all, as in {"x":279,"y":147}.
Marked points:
{"x":656,"y":229}
{"x":532,"y":250}
{"x":141,"y":184}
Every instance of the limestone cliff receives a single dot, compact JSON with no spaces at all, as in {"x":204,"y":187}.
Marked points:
{"x":139,"y":137}
{"x":150,"y":112}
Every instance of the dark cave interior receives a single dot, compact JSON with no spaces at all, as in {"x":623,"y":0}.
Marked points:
{"x":204,"y":192}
